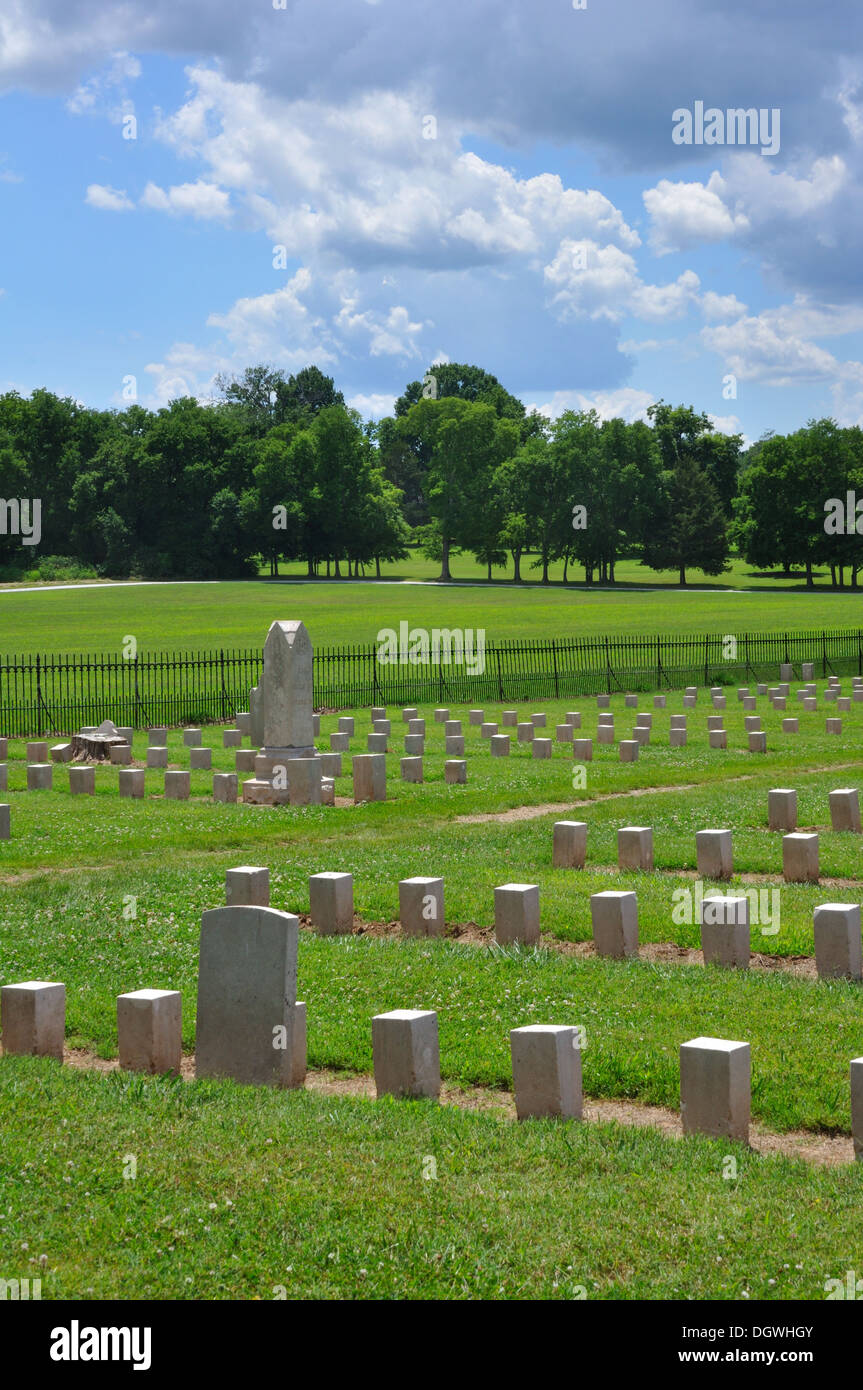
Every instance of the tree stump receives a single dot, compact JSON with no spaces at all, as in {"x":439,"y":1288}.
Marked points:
{"x":94,"y":747}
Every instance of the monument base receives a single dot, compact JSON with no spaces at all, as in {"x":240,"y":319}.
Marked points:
{"x":257,"y":792}
{"x":268,"y":759}
{"x":272,"y":770}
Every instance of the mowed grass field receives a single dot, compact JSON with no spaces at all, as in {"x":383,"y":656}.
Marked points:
{"x":242,"y":1193}
{"x":181,"y":617}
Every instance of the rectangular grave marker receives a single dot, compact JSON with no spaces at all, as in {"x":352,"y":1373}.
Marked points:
{"x":516,"y":913}
{"x":421,"y":906}
{"x":149,"y":1030}
{"x":247,"y":989}
{"x":569,"y":844}
{"x":715,"y":1088}
{"x":331,"y":899}
{"x":614,"y":917}
{"x":33,"y":1019}
{"x":406,"y":1053}
{"x":546,"y":1072}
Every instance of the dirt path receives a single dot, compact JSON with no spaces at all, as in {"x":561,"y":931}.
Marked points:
{"x":517,"y":813}
{"x":823,"y":1149}
{"x":663,"y":952}
{"x":550,"y":807}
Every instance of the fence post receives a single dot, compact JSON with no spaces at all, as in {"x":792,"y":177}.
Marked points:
{"x":40,"y":700}
{"x":137,"y":691}
{"x":376,"y":689}
{"x":225,"y":701}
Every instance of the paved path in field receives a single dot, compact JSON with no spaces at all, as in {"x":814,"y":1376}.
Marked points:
{"x":108,"y":584}
{"x":387,"y":583}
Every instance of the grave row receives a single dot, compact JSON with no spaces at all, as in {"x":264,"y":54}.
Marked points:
{"x":378,"y":741}
{"x":200,"y":757}
{"x":313,"y":778}
{"x":713,"y":848}
{"x":236,"y":1038}
{"x":40,"y":773}
{"x":725,"y":925}
{"x":777,"y":694}
{"x":305,"y":783}
{"x":37,"y":750}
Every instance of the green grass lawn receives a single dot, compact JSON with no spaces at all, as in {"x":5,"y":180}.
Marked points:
{"x":246,"y":1193}
{"x":107,"y":894}
{"x":168,"y":859}
{"x":209,"y":616}
{"x":466,"y":570}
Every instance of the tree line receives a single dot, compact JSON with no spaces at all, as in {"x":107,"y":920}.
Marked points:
{"x":278,"y":469}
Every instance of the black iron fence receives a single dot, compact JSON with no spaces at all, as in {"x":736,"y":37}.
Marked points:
{"x":58,"y":694}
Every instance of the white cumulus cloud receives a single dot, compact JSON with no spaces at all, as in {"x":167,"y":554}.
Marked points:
{"x":602,"y":282}
{"x":201,"y":200}
{"x":373,"y":406}
{"x":627,"y":403}
{"x":107,"y":199}
{"x":684,"y":214}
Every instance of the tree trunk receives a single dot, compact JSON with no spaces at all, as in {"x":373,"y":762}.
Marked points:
{"x":611,"y":572}
{"x":337,"y":574}
{"x":545,"y":566}
{"x":93,"y":747}
{"x":809,"y":581}
{"x":444,"y":564}
{"x":833,"y":576}
{"x":682,"y":574}
{"x":377,"y":566}
{"x":489,"y":571}
{"x":565,"y":565}
{"x":516,"y":562}
{"x":853,"y":576}
{"x":311,"y":564}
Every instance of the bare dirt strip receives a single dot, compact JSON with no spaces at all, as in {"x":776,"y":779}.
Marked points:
{"x":552,"y":807}
{"x":826,"y":1150}
{"x":662,"y":952}
{"x":517,"y":813}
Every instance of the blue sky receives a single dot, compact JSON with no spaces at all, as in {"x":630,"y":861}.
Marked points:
{"x":551,"y":230}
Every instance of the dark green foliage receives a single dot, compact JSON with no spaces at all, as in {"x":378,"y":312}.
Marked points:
{"x":279,"y":469}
